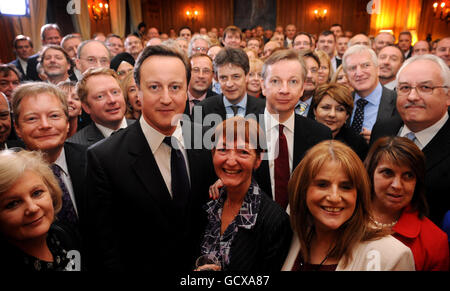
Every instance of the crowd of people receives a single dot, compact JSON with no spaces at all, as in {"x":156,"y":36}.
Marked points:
{"x":229,"y":149}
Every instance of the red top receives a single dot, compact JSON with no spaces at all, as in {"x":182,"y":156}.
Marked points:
{"x":428,"y":243}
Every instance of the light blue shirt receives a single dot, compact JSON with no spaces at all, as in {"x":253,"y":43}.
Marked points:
{"x":371,"y":109}
{"x":241,"y":110}
{"x":308,"y":106}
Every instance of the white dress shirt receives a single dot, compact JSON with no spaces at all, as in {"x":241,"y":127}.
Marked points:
{"x":108,"y":131}
{"x":61,"y":162}
{"x":271,"y":130}
{"x":423,"y":137}
{"x":162,"y":151}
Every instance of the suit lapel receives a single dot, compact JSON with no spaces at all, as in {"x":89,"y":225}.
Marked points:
{"x":387,"y":104}
{"x":93,"y":134}
{"x":439,"y":147}
{"x":145,"y":166}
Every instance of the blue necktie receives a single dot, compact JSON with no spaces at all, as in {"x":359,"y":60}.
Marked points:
{"x":179,"y":177}
{"x":411,"y":136}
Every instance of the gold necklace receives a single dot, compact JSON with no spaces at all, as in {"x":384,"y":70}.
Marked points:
{"x":383,"y":225}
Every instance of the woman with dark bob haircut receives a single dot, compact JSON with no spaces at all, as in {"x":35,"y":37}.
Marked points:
{"x":396,"y":167}
{"x":329,"y":198}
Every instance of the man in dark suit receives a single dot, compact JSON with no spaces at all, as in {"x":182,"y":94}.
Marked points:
{"x":199,"y":87}
{"x":42,"y":122}
{"x":312,"y":64}
{"x":288,"y":135}
{"x":232,"y":67}
{"x":373,"y":102}
{"x":140,"y":217}
{"x":23,"y":48}
{"x":422,"y":104}
{"x":102,"y":98}
{"x":404,"y":43}
{"x":50,"y":34}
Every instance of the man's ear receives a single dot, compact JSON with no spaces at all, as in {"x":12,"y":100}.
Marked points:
{"x":86,"y":108}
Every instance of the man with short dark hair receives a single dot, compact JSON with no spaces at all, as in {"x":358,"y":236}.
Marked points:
{"x":422,"y":103}
{"x":390,"y":59}
{"x":9,"y":79}
{"x":149,"y":177}
{"x":327,"y":43}
{"x":23,"y":48}
{"x":404,"y":43}
{"x":231,"y":67}
{"x":312,"y":64}
{"x":232,"y":37}
{"x":114,"y":44}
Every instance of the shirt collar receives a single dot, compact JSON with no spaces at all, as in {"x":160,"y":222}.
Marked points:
{"x":155,"y":138}
{"x":191,"y":98}
{"x":241,"y":104}
{"x":271,"y":122}
{"x":374,"y":97}
{"x":426,"y":135}
{"x":61,"y":162}
{"x":108,"y":131}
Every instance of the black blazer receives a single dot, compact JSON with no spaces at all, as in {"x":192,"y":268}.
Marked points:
{"x":307,"y":133}
{"x":215,"y":105}
{"x":263,"y":248}
{"x":353,"y":140}
{"x":32,"y":73}
{"x":437,"y":161}
{"x":209,"y":93}
{"x":132,"y":222}
{"x":90,"y":134}
{"x":17,"y":64}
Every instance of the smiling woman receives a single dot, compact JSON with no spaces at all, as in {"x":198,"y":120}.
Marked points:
{"x":30,"y":197}
{"x":329,"y":196}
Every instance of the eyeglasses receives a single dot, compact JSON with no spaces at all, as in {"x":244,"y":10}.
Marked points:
{"x":422,"y":90}
{"x":200,"y":49}
{"x":205,"y":71}
{"x":94,"y":61}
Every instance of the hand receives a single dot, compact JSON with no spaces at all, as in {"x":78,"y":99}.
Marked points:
{"x":214,"y":189}
{"x":365,"y":133}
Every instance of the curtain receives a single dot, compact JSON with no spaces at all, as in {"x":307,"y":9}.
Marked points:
{"x":82,"y":22}
{"x":117,"y":12}
{"x":31,"y":26}
{"x":135,"y":14}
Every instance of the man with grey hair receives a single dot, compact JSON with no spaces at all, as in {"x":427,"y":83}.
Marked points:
{"x":92,"y":54}
{"x":422,"y":104}
{"x":373,"y":102}
{"x":199,"y":44}
{"x":5,"y":123}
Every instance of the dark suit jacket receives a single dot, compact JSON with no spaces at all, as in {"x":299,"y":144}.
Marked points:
{"x":32,"y":73}
{"x":437,"y":160}
{"x":90,"y":134}
{"x":387,"y":107}
{"x":263,"y":248}
{"x":307,"y":133}
{"x":353,"y":140}
{"x":132,"y":222}
{"x":215,"y":105}
{"x":16,"y":63}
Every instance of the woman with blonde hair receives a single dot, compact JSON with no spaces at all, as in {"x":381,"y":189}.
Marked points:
{"x":329,"y":198}
{"x":325,"y":69}
{"x":130,"y":92}
{"x":30,"y":238}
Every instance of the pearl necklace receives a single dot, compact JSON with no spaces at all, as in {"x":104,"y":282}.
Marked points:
{"x":383,"y":225}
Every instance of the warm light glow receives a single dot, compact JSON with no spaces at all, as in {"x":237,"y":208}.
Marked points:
{"x":316,"y":11}
{"x":324,"y":11}
{"x":442,"y":4}
{"x":435,"y":5}
{"x":106,"y":6}
{"x":101,"y":5}
{"x":188,"y":13}
{"x":196,"y":12}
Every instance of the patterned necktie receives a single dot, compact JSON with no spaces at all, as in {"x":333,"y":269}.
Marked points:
{"x":195,"y":101}
{"x":67,"y":212}
{"x":235,"y":109}
{"x":301,"y":108}
{"x":281,"y":172}
{"x":359,"y":115}
{"x":179,"y":177}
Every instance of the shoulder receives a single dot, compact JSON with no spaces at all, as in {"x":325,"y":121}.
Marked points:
{"x":272,"y":211}
{"x":311,"y":127}
{"x":384,"y":254}
{"x":210,"y":100}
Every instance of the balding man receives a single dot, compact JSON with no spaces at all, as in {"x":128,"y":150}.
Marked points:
{"x":290,"y":32}
{"x":404,"y":43}
{"x":360,"y":39}
{"x":421,"y":47}
{"x":390,"y":59}
{"x":92,"y":54}
{"x":383,"y":39}
{"x":422,"y":103}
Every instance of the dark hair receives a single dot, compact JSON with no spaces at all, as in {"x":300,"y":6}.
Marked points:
{"x":232,"y":56}
{"x":304,"y":33}
{"x":396,"y":46}
{"x":5,"y":70}
{"x":49,"y":26}
{"x":142,"y":24}
{"x":310,"y":54}
{"x":119,"y":58}
{"x":184,"y":27}
{"x":159,"y":50}
{"x":327,"y":33}
{"x":21,"y":37}
{"x":401,"y":151}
